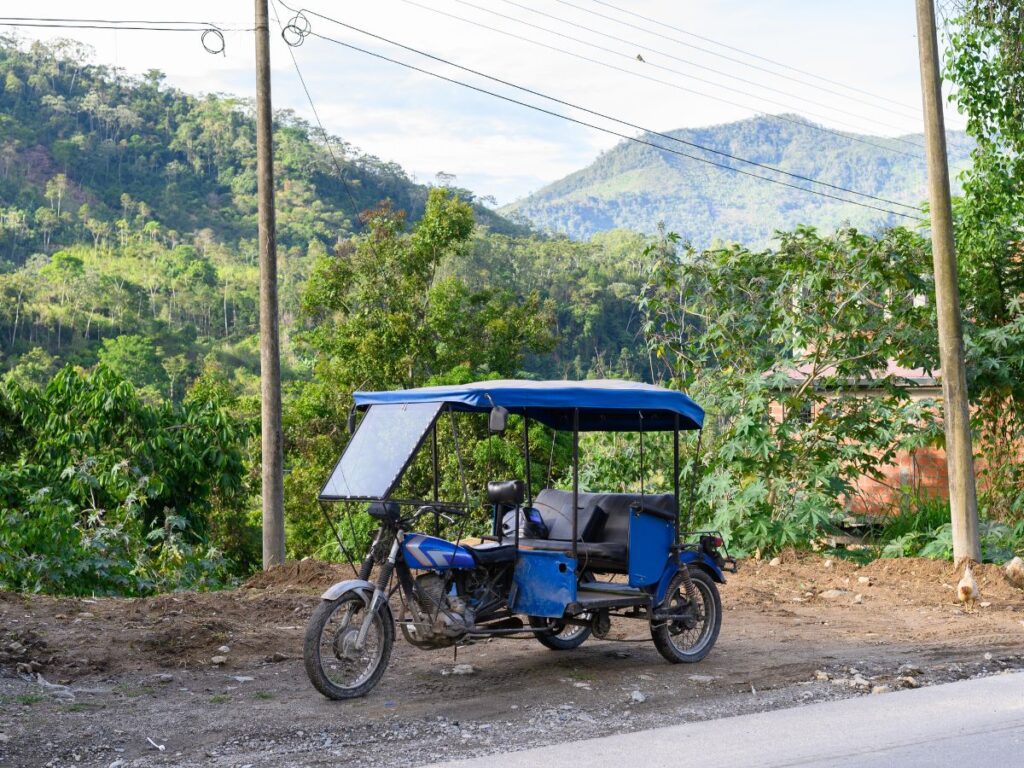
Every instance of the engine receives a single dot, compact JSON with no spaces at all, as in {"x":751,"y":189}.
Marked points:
{"x":439,"y":619}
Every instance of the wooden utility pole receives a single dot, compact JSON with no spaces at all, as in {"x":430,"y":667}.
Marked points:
{"x":963,"y":500}
{"x":270,"y":355}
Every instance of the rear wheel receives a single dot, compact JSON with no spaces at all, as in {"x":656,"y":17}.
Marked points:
{"x":559,"y":636}
{"x":690,"y":637}
{"x":335,"y":665}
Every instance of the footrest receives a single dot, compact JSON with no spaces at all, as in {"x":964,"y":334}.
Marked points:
{"x":610,"y":588}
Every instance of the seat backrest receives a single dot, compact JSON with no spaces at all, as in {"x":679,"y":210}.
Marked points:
{"x":602,"y":516}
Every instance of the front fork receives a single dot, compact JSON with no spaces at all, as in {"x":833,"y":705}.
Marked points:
{"x":380,"y":591}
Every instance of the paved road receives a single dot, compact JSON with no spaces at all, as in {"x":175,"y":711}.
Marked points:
{"x":970,"y":723}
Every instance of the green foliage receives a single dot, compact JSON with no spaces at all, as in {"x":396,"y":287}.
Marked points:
{"x":103,"y":492}
{"x":789,"y":351}
{"x":984,"y":63}
{"x":380,"y":315}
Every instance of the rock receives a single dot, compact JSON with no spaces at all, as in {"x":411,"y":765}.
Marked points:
{"x":1014,"y":572}
{"x":880,"y":689}
{"x":218,"y":660}
{"x":832,"y":594}
{"x":984,"y":604}
{"x":829,"y":564}
{"x":243,"y":678}
{"x":165,"y":678}
{"x":988,"y":657}
{"x":858,"y":599}
{"x":224,"y":649}
{"x":864,"y":580}
{"x":859,"y":681}
{"x":463,"y":669}
{"x":908,"y":682}
{"x":775,"y":562}
{"x":278,"y":656}
{"x":821,"y":675}
{"x":638,"y":696}
{"x":117,"y":764}
{"x":4,"y":738}
{"x":702,"y":678}
{"x":909,"y":669}
{"x":24,"y":668}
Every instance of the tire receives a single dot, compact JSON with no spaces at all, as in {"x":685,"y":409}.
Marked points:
{"x":341,"y":676}
{"x":562,"y":637}
{"x":682,"y":644}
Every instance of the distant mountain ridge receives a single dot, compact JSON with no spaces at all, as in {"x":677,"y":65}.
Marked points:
{"x":639,"y":187}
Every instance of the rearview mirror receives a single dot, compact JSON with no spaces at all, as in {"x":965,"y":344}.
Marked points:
{"x":498,"y":419}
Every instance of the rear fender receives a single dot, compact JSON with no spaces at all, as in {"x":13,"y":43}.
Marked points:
{"x":692,"y":559}
{"x":363,"y":588}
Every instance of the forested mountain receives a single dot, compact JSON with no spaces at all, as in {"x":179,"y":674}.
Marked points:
{"x":638,"y":187}
{"x":128,"y":216}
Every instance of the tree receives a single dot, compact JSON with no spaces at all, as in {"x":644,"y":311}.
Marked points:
{"x":985,"y":63}
{"x":56,"y":188}
{"x":778,"y":345}
{"x":133,"y":358}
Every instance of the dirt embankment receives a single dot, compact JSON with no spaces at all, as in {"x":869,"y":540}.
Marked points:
{"x":91,"y":682}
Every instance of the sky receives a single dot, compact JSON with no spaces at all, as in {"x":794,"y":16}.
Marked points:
{"x":850,"y":66}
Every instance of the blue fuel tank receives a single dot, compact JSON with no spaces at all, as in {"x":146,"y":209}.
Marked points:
{"x":430,"y":552}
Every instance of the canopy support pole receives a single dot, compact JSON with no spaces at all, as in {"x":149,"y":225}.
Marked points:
{"x":434,"y":470}
{"x":526,"y":446}
{"x":693,"y":479}
{"x":675,"y":475}
{"x":575,"y":482}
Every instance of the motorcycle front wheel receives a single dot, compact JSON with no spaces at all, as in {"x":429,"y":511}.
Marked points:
{"x":335,"y":665}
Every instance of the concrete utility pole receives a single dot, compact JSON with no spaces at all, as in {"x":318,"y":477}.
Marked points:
{"x":963,"y":500}
{"x":270,"y":355}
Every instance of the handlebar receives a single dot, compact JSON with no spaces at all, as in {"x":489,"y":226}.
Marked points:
{"x":439,"y":510}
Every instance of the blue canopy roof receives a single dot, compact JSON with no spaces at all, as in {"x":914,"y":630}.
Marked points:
{"x":609,"y":405}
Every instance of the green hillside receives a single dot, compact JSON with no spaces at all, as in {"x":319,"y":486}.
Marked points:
{"x":638,"y":187}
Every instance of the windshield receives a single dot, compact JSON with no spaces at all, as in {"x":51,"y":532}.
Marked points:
{"x":382,"y":446}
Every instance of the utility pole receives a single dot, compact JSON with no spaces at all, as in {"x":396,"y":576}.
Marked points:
{"x":270,"y":355}
{"x":963,"y":500}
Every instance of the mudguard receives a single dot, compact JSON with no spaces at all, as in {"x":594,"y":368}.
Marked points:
{"x":692,"y":559}
{"x":360,"y":586}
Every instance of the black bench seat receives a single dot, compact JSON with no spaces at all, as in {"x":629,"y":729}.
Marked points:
{"x":602,"y":525}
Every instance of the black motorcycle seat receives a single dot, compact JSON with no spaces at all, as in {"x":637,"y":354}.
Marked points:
{"x":492,"y":553}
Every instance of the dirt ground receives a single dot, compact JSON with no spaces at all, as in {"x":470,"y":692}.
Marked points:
{"x":131,"y":682}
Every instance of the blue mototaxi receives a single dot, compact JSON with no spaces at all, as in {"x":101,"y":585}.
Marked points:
{"x":558,"y":565}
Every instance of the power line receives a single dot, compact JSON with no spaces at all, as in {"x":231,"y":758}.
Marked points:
{"x":207,"y":29}
{"x":729,"y":47}
{"x":645,"y":48}
{"x":677,"y":86}
{"x":604,"y":116}
{"x":597,"y":127}
{"x":316,"y":114}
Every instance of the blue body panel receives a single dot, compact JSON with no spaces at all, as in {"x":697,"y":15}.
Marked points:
{"x":430,"y":552}
{"x":544,"y":583}
{"x":650,"y":542}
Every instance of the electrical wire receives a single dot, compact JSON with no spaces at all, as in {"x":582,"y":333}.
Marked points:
{"x":731,"y":48}
{"x":641,"y":47}
{"x":903,"y":114}
{"x":207,"y":29}
{"x":677,"y":86}
{"x":316,"y":114}
{"x":626,"y":123}
{"x":601,"y":128}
